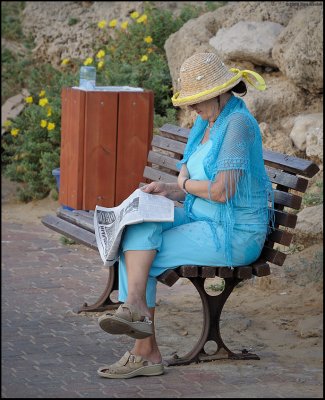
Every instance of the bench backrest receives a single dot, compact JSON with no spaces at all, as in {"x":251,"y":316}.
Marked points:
{"x":287,"y":173}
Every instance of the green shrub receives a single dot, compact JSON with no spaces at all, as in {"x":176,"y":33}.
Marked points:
{"x":314,"y":198}
{"x":11,"y":19}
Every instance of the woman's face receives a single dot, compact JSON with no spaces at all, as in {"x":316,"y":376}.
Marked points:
{"x":208,"y":109}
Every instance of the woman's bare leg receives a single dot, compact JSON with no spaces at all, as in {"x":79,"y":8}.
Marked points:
{"x":138,"y":263}
{"x":148,"y":347}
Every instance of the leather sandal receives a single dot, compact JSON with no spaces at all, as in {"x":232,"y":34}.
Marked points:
{"x":130,"y":366}
{"x":127,"y":320}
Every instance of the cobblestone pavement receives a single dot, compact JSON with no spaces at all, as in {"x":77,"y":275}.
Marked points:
{"x":49,"y":351}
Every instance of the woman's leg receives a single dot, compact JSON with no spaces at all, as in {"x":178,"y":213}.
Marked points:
{"x":138,"y":263}
{"x":148,"y":347}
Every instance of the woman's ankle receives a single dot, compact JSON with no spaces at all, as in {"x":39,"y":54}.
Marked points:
{"x":139,"y":305}
{"x":148,"y":349}
{"x":153,"y":356}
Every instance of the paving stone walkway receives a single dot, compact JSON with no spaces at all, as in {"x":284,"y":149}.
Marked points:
{"x":49,"y":351}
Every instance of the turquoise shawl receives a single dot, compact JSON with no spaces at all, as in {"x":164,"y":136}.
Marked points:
{"x":237,"y":149}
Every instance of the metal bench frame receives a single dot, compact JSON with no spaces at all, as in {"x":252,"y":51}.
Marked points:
{"x":288,"y":175}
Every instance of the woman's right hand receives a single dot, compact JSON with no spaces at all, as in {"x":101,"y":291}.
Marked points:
{"x":169,"y":190}
{"x":157,"y":187}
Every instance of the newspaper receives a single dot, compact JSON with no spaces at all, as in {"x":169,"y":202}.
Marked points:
{"x":139,"y":207}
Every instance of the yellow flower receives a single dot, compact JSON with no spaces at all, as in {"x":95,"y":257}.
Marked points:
{"x":43,"y":102}
{"x":88,"y":61}
{"x":143,"y":18}
{"x":7,"y":123}
{"x":101,"y":24}
{"x":100,"y":54}
{"x":14,"y":132}
{"x":43,"y":123}
{"x":42,"y":93}
{"x":29,"y":99}
{"x":150,"y":50}
{"x":144,"y":58}
{"x":65,"y":61}
{"x":50,"y":126}
{"x":100,"y":64}
{"x":112,"y":23}
{"x":148,"y":39}
{"x":134,"y":15}
{"x":49,"y":112}
{"x":124,"y":24}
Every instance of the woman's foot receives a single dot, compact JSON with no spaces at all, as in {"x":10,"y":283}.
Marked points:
{"x":127,"y":320}
{"x":129,"y":366}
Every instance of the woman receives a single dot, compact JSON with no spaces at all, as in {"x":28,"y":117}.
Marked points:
{"x":225,"y":216}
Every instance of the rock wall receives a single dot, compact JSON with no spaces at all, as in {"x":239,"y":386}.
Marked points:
{"x":68,"y":29}
{"x":283,"y":41}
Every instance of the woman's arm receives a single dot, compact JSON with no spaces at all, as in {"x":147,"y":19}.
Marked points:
{"x":221,"y":190}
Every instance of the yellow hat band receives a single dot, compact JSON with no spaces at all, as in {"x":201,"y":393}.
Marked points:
{"x":259,"y":85}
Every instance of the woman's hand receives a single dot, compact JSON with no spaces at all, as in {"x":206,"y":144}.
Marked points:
{"x":169,"y":190}
{"x":156,"y":187}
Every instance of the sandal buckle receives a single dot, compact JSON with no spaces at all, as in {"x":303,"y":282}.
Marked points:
{"x":132,"y":358}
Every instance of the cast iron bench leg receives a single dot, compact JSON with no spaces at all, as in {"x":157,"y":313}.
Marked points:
{"x":212,"y":308}
{"x":104,"y":302}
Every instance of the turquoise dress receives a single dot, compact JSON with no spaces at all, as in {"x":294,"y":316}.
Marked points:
{"x":206,"y":232}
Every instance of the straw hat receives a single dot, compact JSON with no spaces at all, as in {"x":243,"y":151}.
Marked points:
{"x":204,"y":76}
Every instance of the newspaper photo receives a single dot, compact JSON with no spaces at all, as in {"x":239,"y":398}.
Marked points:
{"x":139,"y":207}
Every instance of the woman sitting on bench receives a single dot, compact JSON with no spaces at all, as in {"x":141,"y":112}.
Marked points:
{"x":225,"y":218}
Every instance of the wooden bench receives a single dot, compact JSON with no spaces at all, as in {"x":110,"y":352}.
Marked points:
{"x":288,"y":175}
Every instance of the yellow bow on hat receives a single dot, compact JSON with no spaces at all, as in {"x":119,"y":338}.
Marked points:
{"x":245,"y":74}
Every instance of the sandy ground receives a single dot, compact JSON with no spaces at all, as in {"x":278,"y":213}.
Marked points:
{"x":280,"y":316}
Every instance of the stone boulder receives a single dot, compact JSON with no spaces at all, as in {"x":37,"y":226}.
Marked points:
{"x":307,"y":134}
{"x":298,"y":50}
{"x":195,"y":34}
{"x":280,"y":98}
{"x":310,"y":220}
{"x":247,"y":40}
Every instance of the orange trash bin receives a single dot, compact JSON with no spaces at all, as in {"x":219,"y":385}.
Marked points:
{"x":105,"y":140}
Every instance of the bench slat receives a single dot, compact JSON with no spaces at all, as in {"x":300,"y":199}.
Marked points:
{"x":288,"y":180}
{"x":162,"y":160}
{"x":225,"y":272}
{"x":287,"y":199}
{"x":168,"y":277}
{"x":243,"y":272}
{"x":74,"y":232}
{"x":207,"y":272}
{"x":286,"y":219}
{"x":189,"y":271}
{"x":168,"y":144}
{"x":273,"y":256}
{"x":80,"y":219}
{"x":280,"y":236}
{"x":157,"y":175}
{"x":175,"y":132}
{"x":260,"y":268}
{"x":290,"y":163}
